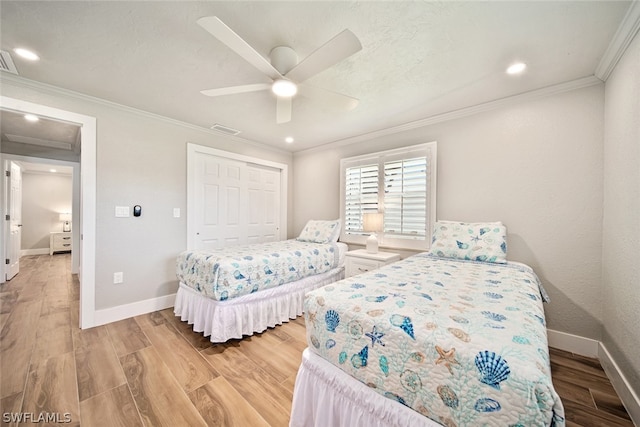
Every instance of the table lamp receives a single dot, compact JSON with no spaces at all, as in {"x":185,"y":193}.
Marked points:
{"x":372,"y":223}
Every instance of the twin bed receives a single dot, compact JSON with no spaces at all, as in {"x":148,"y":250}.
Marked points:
{"x":232,"y":292}
{"x":453,"y":337}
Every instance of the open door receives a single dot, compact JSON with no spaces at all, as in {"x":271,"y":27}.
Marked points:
{"x":13,"y":219}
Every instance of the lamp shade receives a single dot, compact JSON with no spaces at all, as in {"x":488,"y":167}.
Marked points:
{"x":65,"y":217}
{"x":372,"y":222}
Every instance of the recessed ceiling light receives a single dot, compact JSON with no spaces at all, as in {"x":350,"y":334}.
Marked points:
{"x":516,"y":68}
{"x":285,"y":88}
{"x":31,"y":118}
{"x":53,"y":170}
{"x":288,"y":140}
{"x":26,"y":54}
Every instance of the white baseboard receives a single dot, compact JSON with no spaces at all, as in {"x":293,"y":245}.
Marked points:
{"x":573,"y":343}
{"x":38,"y":251}
{"x":113,"y":314}
{"x":620,"y":384}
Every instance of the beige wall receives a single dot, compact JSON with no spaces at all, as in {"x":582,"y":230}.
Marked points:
{"x":141,"y":160}
{"x":621,"y":226}
{"x":536,"y":166}
{"x":44,"y":197}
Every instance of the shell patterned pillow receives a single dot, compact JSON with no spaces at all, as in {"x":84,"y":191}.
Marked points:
{"x":478,"y":241}
{"x":317,"y":231}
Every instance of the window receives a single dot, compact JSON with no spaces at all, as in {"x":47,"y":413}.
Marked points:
{"x":401,"y":184}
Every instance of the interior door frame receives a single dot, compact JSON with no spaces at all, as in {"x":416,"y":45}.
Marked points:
{"x":193,"y":150}
{"x":75,"y":204}
{"x":86,"y":203}
{"x":9,"y":205}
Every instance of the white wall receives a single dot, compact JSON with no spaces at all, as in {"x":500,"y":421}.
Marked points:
{"x":44,"y":198}
{"x":141,"y":159}
{"x":536,"y":166}
{"x":621,"y":226}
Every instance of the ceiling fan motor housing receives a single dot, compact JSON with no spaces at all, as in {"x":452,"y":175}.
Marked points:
{"x":283,"y":59}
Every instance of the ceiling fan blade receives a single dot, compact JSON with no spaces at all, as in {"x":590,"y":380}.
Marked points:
{"x":327,"y":98}
{"x":226,"y":35}
{"x":232,"y":90}
{"x":335,"y":50}
{"x":283,"y":110}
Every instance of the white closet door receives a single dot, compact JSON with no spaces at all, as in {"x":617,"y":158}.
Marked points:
{"x":235,"y":202}
{"x":263,"y":189}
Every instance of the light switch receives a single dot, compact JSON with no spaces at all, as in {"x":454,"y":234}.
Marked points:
{"x":176,"y":212}
{"x":122,"y":211}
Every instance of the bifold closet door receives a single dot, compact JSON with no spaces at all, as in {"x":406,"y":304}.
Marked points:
{"x":236,"y":202}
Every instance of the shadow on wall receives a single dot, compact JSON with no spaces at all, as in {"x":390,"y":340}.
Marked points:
{"x":562,"y":313}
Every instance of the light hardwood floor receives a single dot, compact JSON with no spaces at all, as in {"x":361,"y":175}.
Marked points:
{"x":153,"y":370}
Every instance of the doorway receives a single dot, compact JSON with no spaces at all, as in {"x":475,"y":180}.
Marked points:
{"x":84,"y":201}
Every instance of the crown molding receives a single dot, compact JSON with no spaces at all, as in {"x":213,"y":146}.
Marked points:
{"x":621,"y":40}
{"x":461,"y":113}
{"x":55,"y":90}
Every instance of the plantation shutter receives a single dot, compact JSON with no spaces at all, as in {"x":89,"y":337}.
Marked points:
{"x":405,"y":199}
{"x":401,"y":184}
{"x":361,"y":195}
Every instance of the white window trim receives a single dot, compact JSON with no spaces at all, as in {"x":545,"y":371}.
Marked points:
{"x":430,"y":150}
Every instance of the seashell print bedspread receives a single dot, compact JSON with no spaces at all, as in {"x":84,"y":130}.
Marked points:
{"x":462,"y":342}
{"x":231,"y":272}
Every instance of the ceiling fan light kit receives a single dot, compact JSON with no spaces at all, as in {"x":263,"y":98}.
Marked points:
{"x":286,"y":73}
{"x":284,"y":88}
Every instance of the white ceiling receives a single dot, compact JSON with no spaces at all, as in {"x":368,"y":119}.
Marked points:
{"x":419,"y":58}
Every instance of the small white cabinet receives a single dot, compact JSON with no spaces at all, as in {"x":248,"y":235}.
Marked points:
{"x":60,"y":241}
{"x":361,"y":261}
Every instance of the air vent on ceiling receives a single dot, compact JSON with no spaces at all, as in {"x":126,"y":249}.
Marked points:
{"x":6,"y":63}
{"x":225,"y":129}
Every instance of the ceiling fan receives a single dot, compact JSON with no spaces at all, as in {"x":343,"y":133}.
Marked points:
{"x":284,"y":70}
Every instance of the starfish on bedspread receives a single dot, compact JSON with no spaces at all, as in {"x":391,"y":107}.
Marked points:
{"x":376,"y":337}
{"x":447,"y":358}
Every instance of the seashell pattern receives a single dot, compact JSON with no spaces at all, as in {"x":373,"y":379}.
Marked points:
{"x":446,"y":351}
{"x":355,"y":329}
{"x":493,"y":295}
{"x":520,"y":340}
{"x":487,"y":404}
{"x":411,"y":381}
{"x":395,"y":397}
{"x":493,"y":368}
{"x":460,"y":334}
{"x":314,"y":341}
{"x":375,"y":313}
{"x":404,"y":323}
{"x":384,"y":365}
{"x":359,"y":360}
{"x":448,"y":396}
{"x":418,"y":356}
{"x":459,"y":319}
{"x":332,"y":319}
{"x":494,"y":316}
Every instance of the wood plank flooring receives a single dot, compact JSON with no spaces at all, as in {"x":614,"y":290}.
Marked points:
{"x":153,"y":370}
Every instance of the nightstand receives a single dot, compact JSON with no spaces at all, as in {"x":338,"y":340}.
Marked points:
{"x":60,"y":241}
{"x":360,"y":261}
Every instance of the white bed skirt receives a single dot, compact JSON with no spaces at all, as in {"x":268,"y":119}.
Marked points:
{"x":248,"y":314}
{"x":325,"y":396}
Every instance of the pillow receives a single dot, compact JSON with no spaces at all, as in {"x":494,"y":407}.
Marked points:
{"x":480,"y":241}
{"x":320,"y":231}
